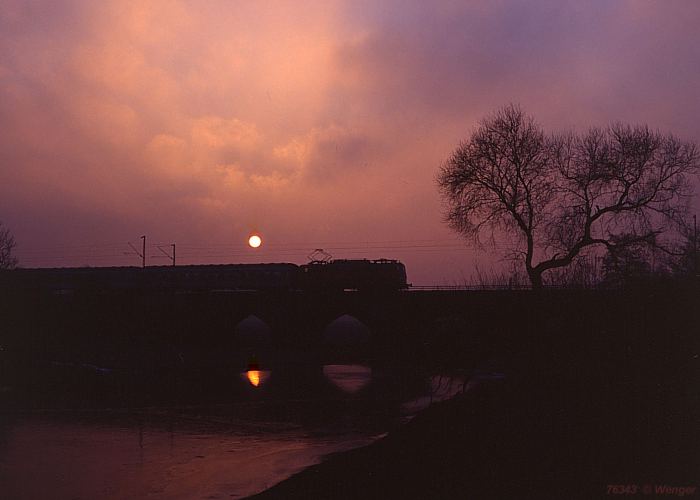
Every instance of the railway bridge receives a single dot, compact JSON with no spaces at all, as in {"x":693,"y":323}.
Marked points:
{"x":144,"y":321}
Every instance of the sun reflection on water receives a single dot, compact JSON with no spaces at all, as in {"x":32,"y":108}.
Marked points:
{"x":254,"y":377}
{"x":348,"y":378}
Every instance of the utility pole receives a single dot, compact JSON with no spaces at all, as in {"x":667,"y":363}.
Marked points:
{"x":171,"y":257}
{"x":143,"y":252}
{"x":695,"y":244}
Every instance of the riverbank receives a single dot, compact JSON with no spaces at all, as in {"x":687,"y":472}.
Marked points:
{"x":566,"y":422}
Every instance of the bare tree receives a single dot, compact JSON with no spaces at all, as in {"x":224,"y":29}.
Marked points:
{"x":683,"y":260}
{"x":7,"y":244}
{"x":554,"y":196}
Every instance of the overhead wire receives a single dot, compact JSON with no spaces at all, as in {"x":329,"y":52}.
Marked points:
{"x":193,"y":256}
{"x":119,"y":252}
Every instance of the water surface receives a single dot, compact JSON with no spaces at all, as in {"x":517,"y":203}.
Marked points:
{"x":201,"y":451}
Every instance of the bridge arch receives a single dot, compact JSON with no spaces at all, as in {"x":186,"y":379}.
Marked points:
{"x":346,"y":331}
{"x":252,"y":330}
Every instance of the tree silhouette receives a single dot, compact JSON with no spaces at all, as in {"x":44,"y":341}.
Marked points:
{"x":553,"y":196}
{"x":7,"y":244}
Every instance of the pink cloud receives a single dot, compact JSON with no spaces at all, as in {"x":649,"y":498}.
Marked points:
{"x":317,"y":123}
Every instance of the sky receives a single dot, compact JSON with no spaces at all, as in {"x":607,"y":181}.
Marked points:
{"x":317,"y":124}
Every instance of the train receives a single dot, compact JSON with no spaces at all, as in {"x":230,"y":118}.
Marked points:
{"x":338,"y":275}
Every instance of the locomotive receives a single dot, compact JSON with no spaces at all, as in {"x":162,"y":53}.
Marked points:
{"x":358,"y":274}
{"x":381,"y":274}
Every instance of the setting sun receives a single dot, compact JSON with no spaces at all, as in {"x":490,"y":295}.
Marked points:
{"x":255,"y":241}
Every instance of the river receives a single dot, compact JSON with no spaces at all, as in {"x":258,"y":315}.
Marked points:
{"x":213,"y":450}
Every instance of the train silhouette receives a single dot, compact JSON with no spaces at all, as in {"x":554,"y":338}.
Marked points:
{"x":338,"y":274}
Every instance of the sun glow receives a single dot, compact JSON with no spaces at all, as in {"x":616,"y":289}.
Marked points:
{"x":255,"y":241}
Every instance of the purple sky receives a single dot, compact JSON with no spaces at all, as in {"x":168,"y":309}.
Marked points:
{"x":318,"y":124}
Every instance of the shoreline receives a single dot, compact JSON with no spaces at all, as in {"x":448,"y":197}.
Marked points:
{"x":554,"y":432}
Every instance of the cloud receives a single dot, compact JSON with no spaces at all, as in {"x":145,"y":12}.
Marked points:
{"x":315,"y":120}
{"x":327,"y":155}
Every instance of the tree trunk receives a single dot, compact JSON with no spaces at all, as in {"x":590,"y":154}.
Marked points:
{"x":535,"y":278}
